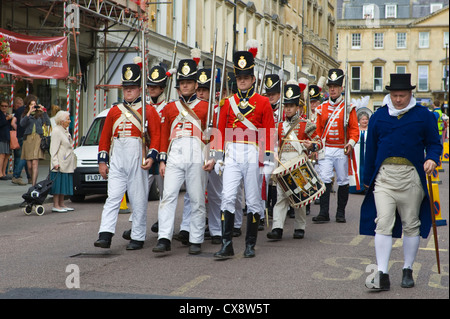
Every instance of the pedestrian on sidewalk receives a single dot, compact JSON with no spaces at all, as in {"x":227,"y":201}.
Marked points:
{"x":19,"y":163}
{"x":33,"y":118}
{"x":62,"y":162}
{"x":5,"y":127}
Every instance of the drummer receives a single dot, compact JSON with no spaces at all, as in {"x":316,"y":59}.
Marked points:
{"x":295,"y":137}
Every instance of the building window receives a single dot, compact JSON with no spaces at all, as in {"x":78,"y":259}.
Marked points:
{"x":424,"y":39}
{"x":356,"y":78}
{"x":423,"y":78}
{"x":377,"y":104}
{"x":378,"y":78}
{"x":337,"y":40}
{"x":356,"y":40}
{"x":445,"y":39}
{"x":435,"y":7}
{"x":445,"y":74}
{"x":391,"y":11}
{"x":368,"y":11}
{"x":378,"y":41}
{"x":401,"y":40}
{"x":400,"y":69}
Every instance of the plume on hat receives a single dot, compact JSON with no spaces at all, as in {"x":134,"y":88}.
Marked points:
{"x":303,"y":83}
{"x":171,"y":72}
{"x":252,"y":47}
{"x":321,"y":82}
{"x":138,"y":60}
{"x":196,"y":54}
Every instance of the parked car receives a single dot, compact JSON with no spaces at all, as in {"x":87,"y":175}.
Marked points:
{"x":86,"y":177}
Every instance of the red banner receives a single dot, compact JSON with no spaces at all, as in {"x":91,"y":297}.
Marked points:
{"x":36,"y":57}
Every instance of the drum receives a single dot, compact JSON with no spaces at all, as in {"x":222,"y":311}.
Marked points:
{"x":299,"y":181}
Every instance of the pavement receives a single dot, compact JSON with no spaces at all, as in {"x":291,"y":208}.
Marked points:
{"x":11,"y":194}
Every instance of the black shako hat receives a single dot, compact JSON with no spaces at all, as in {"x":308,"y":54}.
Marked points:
{"x":291,"y":94}
{"x":314,"y":92}
{"x":272,"y":83}
{"x":204,"y":78}
{"x":400,"y":82}
{"x":157,"y":77}
{"x":131,"y":75}
{"x":244,"y":63}
{"x":187,"y":70}
{"x":335,"y":77}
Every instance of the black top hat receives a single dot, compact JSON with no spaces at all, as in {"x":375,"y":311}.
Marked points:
{"x":157,"y":77}
{"x":204,"y":78}
{"x":272,"y":83}
{"x":400,"y":82}
{"x":187,"y":70}
{"x":291,"y":94}
{"x":244,"y":63}
{"x":335,"y":77}
{"x":314,"y":92}
{"x":131,"y":75}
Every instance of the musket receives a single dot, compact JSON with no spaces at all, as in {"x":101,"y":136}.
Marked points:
{"x":433,"y":220}
{"x":346,"y":99}
{"x":223,"y":81}
{"x":172,"y":65}
{"x":144,"y":93}
{"x":212,"y":88}
{"x":280,"y":107}
{"x":263,"y":76}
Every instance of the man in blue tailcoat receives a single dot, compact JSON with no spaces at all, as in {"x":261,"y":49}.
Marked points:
{"x":402,"y":146}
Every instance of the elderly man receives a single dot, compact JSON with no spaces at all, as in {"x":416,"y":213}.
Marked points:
{"x":397,"y":159}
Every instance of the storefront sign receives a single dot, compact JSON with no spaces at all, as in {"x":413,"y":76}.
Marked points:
{"x":36,"y":57}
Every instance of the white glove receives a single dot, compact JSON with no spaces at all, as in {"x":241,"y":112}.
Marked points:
{"x":219,"y":167}
{"x":268,"y":169}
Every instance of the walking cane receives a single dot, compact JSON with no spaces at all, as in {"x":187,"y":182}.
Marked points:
{"x":433,"y":220}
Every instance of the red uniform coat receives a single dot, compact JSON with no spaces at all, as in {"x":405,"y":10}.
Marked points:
{"x":335,"y":135}
{"x":170,"y":112}
{"x":259,"y":112}
{"x":153,"y":129}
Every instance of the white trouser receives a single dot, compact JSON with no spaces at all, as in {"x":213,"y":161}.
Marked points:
{"x":334,"y":158}
{"x":126,"y":174}
{"x":241,"y":162}
{"x":184,"y":163}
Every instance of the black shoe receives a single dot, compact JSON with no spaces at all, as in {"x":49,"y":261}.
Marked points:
{"x":261,"y":224}
{"x":127,"y":234}
{"x":216,"y":240}
{"x":162,"y":246}
{"x":183,"y":236}
{"x":104,"y":240}
{"x":237,"y":232}
{"x":276,"y":234}
{"x":319,"y":219}
{"x":299,"y":233}
{"x":340,"y":219}
{"x":135,"y":245}
{"x":407,"y":280}
{"x":195,"y":249}
{"x":155,"y":227}
{"x":380,"y":282}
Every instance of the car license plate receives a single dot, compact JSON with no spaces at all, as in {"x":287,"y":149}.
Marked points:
{"x":94,"y":178}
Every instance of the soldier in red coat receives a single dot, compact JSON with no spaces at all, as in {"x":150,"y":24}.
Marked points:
{"x":181,"y":159}
{"x":339,"y":143}
{"x":121,"y":147}
{"x":246,"y":127}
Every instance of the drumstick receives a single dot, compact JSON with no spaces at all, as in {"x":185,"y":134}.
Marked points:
{"x":301,"y":141}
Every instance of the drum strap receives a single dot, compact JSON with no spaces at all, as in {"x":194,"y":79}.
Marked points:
{"x":288,"y":134}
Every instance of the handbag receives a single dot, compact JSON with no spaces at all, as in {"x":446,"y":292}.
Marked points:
{"x":13,"y":141}
{"x":45,"y":139}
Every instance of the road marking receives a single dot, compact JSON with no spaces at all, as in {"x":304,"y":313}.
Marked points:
{"x":191,"y":284}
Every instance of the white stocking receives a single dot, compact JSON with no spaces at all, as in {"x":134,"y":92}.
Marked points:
{"x":410,"y":247}
{"x":383,"y":247}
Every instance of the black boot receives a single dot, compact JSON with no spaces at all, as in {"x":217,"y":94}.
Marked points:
{"x":251,"y":235}
{"x":324,"y":215}
{"x":343,"y":192}
{"x":227,"y":234}
{"x":104,"y":240}
{"x":276,"y":234}
{"x":162,"y":246}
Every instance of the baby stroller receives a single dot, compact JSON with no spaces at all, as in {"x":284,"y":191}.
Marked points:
{"x":36,"y":195}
